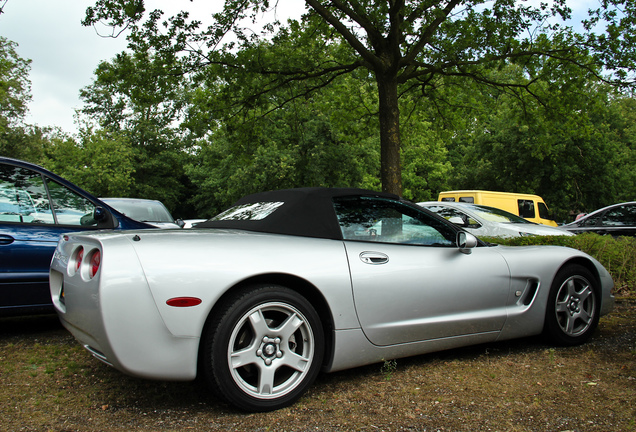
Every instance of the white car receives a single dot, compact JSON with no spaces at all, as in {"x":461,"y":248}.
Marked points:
{"x":191,"y":223}
{"x":152,"y":212}
{"x":484,"y":221}
{"x":261,"y":298}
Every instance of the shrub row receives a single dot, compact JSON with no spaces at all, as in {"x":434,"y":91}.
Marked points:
{"x":617,"y":254}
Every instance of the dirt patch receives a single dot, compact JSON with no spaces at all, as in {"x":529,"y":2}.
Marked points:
{"x":49,"y":383}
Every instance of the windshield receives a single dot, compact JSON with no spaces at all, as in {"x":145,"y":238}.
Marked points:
{"x":141,"y":210}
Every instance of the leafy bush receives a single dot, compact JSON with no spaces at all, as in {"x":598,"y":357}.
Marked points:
{"x":617,"y":254}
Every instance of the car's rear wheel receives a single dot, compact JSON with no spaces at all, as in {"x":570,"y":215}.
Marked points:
{"x":573,"y":306}
{"x":263,"y":348}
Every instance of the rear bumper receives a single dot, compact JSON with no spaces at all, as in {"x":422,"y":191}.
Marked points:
{"x":114,"y":314}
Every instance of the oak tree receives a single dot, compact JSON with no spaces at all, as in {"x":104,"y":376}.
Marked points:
{"x":404,"y":45}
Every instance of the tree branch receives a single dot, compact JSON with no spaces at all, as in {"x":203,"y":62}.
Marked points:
{"x":351,"y":39}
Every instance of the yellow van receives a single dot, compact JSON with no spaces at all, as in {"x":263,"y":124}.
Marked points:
{"x":530,"y":207}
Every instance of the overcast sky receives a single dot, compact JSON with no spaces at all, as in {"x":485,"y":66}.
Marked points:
{"x":65,"y":54}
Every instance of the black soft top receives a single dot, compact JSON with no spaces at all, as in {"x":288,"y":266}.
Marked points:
{"x":307,"y":212}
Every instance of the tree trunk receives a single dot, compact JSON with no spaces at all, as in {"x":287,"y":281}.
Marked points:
{"x":390,"y":164}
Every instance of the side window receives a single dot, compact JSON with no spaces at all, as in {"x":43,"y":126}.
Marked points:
{"x":470,"y":200}
{"x":620,"y":216}
{"x":590,"y":221}
{"x":70,"y":208}
{"x":526,"y":208}
{"x":544,"y":213}
{"x":388,"y":221}
{"x":24,"y":198}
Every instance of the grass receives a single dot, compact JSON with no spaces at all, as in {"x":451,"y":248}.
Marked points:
{"x":49,"y":383}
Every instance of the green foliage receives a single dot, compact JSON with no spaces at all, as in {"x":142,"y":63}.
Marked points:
{"x":198,"y":149}
{"x":401,"y":46}
{"x":139,"y":100}
{"x":24,"y":142}
{"x":196,"y":124}
{"x":388,"y":369}
{"x":303,"y":145}
{"x":101,"y":163}
{"x":135,"y":91}
{"x":425,"y":168}
{"x":16,"y":139}
{"x":15,"y":86}
{"x":617,"y":254}
{"x":575,"y":151}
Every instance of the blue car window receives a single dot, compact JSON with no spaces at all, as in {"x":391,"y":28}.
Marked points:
{"x":24,"y":198}
{"x":70,"y":208}
{"x":11,"y":207}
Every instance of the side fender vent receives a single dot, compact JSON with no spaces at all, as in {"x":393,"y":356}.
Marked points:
{"x":530,"y":292}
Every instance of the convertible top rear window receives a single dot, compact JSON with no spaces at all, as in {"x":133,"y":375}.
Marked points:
{"x":254,"y":211}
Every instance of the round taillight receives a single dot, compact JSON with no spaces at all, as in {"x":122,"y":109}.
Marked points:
{"x":79,"y":256}
{"x":93,"y":266}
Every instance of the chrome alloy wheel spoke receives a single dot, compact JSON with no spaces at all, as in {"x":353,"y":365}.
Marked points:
{"x":266,"y":377}
{"x":575,"y":306}
{"x":289,"y":327}
{"x":270,"y":350}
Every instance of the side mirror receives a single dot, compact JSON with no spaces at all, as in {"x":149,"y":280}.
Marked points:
{"x":104,"y":218}
{"x":99,"y":214}
{"x":180,"y":222}
{"x":466,"y":242}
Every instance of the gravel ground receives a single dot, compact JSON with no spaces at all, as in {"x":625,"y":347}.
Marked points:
{"x":49,"y":383}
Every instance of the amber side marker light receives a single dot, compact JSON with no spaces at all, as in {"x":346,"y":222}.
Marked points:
{"x":183,"y":301}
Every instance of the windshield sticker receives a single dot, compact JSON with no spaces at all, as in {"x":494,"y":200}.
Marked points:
{"x":254,"y":211}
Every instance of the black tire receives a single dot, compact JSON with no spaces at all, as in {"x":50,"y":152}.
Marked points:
{"x":263,"y":349}
{"x":573,"y":306}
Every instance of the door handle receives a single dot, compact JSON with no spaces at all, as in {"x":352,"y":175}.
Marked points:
{"x":374,"y":258}
{"x":6,"y":239}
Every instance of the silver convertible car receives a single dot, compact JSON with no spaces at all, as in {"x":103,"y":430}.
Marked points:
{"x":261,"y":298}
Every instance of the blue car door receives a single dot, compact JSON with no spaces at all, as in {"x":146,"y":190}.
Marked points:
{"x":34,"y":212}
{"x":25,"y":253}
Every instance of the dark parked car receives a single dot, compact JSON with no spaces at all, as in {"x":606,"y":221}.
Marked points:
{"x":616,"y":220}
{"x":36,"y":207}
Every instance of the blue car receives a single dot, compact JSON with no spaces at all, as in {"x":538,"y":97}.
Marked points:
{"x":36,"y":208}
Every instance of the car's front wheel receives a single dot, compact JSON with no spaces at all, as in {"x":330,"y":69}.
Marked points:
{"x":573,"y":306}
{"x":263,"y":348}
